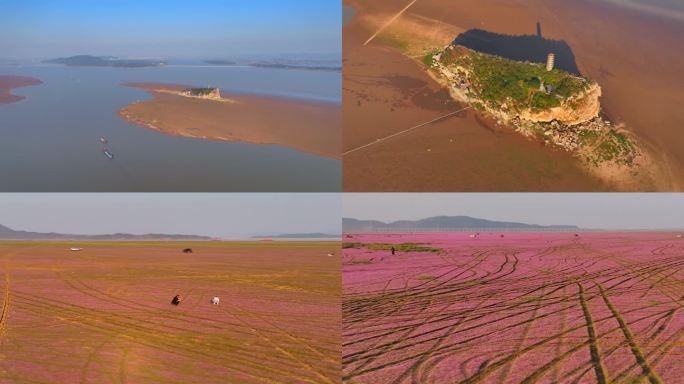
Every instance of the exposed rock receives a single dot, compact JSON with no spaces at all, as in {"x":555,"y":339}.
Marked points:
{"x":573,"y":111}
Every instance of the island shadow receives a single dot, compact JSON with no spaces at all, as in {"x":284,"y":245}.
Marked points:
{"x":533,"y":48}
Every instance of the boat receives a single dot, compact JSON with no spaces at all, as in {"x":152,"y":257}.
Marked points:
{"x":108,"y":154}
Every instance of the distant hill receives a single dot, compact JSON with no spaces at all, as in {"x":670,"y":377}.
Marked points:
{"x":104,"y":61}
{"x":441,"y":222}
{"x":316,"y":235}
{"x":10,"y":234}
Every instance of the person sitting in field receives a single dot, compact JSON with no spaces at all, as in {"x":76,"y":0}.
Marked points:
{"x":393,"y":250}
{"x":215,"y":300}
{"x":176,"y":300}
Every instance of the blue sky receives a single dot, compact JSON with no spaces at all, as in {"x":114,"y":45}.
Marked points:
{"x":169,"y":28}
{"x":227,"y":215}
{"x":587,"y":210}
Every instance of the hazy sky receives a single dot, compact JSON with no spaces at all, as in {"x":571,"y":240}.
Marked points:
{"x":587,"y":210}
{"x":228,"y":215}
{"x":169,"y":28}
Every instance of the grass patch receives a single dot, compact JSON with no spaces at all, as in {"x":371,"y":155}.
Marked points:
{"x":352,"y":245}
{"x":429,"y":58}
{"x":360,"y":261}
{"x":588,"y":137}
{"x":425,"y":277}
{"x":394,"y":42}
{"x":538,"y":132}
{"x":497,"y":80}
{"x":614,"y":147}
{"x":403,"y":247}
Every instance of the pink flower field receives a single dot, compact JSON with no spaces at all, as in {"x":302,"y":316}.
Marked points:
{"x":513,"y":308}
{"x":104,"y":314}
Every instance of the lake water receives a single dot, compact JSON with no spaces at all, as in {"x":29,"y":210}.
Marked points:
{"x":50,"y":140}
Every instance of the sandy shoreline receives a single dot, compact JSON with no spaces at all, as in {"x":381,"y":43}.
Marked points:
{"x":601,"y":52}
{"x":304,"y":126}
{"x":7,"y":83}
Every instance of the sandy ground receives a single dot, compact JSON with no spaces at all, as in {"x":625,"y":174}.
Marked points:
{"x":514,"y":309}
{"x":103,"y":315}
{"x":467,"y":154}
{"x":305,"y":126}
{"x":9,"y":82}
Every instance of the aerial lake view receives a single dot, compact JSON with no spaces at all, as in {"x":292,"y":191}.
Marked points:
{"x":53,"y":139}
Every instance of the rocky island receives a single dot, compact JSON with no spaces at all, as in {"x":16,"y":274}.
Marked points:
{"x":538,"y":100}
{"x":203,"y":93}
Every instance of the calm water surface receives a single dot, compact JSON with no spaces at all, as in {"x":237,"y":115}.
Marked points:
{"x":50,"y":140}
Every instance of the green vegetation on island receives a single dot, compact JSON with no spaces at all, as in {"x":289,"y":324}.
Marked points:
{"x":518,"y":85}
{"x":200,"y":91}
{"x":540,"y":101}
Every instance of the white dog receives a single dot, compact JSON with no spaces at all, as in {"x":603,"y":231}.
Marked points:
{"x":215,"y":300}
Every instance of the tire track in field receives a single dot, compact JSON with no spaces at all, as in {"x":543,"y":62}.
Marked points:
{"x":521,"y":342}
{"x":559,"y":347}
{"x":92,"y":356}
{"x":511,"y":294}
{"x":5,"y":305}
{"x":388,"y":346}
{"x":298,"y":341}
{"x":594,"y":351}
{"x":647,"y":371}
{"x":285,"y":352}
{"x":113,"y":324}
{"x":513,"y":315}
{"x":422,"y":375}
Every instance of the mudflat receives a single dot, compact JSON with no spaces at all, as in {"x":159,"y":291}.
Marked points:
{"x":311,"y":127}
{"x":104,"y":314}
{"x":7,"y":83}
{"x":468,"y":153}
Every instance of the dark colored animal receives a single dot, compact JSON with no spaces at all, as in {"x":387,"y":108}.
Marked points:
{"x":176,"y":300}
{"x":187,"y":250}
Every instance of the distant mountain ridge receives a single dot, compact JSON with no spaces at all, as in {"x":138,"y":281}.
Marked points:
{"x":315,"y":235}
{"x":104,"y":61}
{"x":7,"y":233}
{"x":441,"y":222}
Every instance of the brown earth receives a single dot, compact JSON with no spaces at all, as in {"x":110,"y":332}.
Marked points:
{"x":104,"y":314}
{"x":305,"y":126}
{"x":7,"y":83}
{"x":610,"y":45}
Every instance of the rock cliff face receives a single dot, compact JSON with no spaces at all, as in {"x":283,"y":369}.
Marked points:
{"x":576,"y":110}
